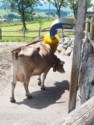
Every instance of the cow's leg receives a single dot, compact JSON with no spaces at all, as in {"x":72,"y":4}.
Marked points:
{"x":27,"y":90}
{"x":12,"y":99}
{"x":39,"y":80}
{"x":43,"y":79}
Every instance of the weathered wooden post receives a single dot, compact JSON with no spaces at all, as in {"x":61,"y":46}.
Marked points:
{"x":77,"y":54}
{"x":0,"y":33}
{"x":39,"y":32}
{"x":24,"y":33}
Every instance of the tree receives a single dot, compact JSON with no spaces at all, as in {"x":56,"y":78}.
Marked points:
{"x":23,"y":7}
{"x":49,"y":8}
{"x":58,"y":4}
{"x":73,"y":4}
{"x":49,"y":1}
{"x":88,"y":4}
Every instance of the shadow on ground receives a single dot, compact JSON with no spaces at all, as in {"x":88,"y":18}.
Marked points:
{"x":42,"y":99}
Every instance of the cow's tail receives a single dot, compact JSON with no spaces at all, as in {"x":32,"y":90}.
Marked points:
{"x":15,"y":53}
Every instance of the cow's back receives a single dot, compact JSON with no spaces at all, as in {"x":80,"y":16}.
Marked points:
{"x":34,"y":64}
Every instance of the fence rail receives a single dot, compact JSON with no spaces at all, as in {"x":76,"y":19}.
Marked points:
{"x":27,"y":31}
{"x":23,"y":33}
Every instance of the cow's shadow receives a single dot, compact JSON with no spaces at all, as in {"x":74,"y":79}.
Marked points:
{"x":42,"y":99}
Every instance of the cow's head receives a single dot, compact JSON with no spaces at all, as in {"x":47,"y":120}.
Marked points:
{"x":59,"y":66}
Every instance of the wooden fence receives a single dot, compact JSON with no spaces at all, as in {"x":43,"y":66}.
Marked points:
{"x":27,"y":31}
{"x":23,"y":33}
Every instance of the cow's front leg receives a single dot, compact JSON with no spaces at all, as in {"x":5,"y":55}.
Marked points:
{"x":27,"y":90}
{"x":39,"y":80}
{"x":43,"y":79}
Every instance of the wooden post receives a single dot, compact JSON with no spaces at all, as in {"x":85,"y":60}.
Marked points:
{"x":92,"y":37}
{"x":23,"y":33}
{"x":62,"y":33}
{"x":76,"y":54}
{"x":39,"y":32}
{"x":88,"y":26}
{"x":0,"y":33}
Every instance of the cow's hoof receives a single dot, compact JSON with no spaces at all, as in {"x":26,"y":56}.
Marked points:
{"x":12,"y":100}
{"x":39,"y":83}
{"x":29,"y":96}
{"x":42,"y":88}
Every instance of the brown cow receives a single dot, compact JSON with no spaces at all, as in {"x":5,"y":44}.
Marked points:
{"x":33,"y":60}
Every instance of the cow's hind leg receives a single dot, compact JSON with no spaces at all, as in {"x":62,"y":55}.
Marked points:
{"x":43,"y":79}
{"x":12,"y":99}
{"x":27,"y":90}
{"x":39,"y":80}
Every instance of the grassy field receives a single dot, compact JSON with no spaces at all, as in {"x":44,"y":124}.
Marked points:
{"x":18,"y":27}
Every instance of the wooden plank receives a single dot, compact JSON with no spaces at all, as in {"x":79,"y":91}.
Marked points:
{"x":68,"y":30}
{"x":65,"y":30}
{"x":90,"y":14}
{"x":20,"y":30}
{"x":84,"y":115}
{"x":22,"y":36}
{"x":76,"y":54}
{"x":42,"y":30}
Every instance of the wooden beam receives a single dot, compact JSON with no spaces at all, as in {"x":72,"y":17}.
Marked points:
{"x":76,"y":54}
{"x":90,"y":14}
{"x":84,"y":115}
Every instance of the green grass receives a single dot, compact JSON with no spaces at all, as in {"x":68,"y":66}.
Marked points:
{"x":18,"y":27}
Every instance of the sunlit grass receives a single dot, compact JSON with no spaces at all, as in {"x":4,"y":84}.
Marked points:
{"x":19,"y":34}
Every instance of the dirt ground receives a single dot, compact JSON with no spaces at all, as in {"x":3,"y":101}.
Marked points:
{"x":45,"y":106}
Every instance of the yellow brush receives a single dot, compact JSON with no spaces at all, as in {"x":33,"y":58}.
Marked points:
{"x":53,"y":42}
